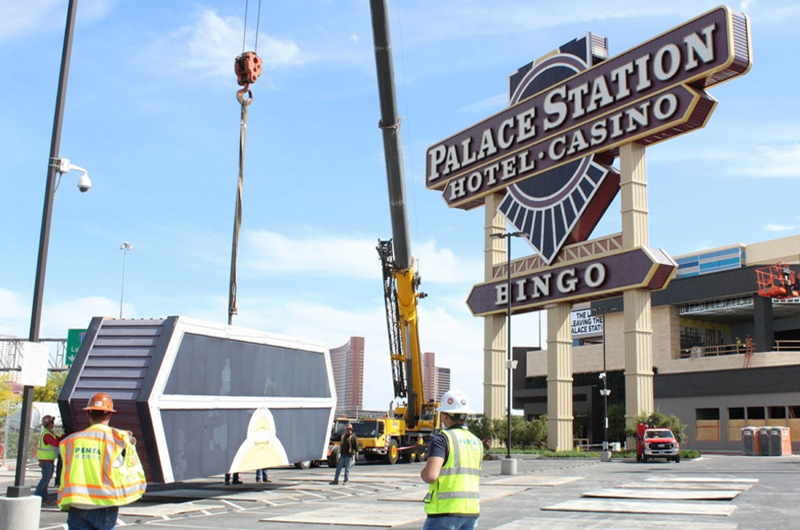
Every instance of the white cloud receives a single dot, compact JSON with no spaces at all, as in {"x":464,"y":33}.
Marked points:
{"x":319,"y":253}
{"x":778,"y":228}
{"x":14,"y":314}
{"x":771,"y":162}
{"x":213,"y":41}
{"x":57,"y":318}
{"x":347,"y":256}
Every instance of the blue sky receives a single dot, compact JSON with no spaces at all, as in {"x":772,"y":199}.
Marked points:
{"x":151,"y":114}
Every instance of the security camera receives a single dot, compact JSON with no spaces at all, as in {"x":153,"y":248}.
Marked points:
{"x":84,"y":183}
{"x":602,"y":375}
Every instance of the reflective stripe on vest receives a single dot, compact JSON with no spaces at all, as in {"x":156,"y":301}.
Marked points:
{"x":456,"y":491}
{"x":96,"y":471}
{"x":46,"y":451}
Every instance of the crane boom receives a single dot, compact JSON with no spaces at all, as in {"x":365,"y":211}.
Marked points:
{"x":390,"y":125}
{"x":404,"y":295}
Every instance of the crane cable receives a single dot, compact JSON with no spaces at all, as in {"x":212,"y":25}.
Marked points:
{"x":247,"y":67}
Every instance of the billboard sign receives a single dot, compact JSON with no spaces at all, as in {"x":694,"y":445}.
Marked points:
{"x":647,"y":94}
{"x":579,"y":281}
{"x":570,"y":112}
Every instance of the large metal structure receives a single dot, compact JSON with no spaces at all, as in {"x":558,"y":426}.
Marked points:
{"x":202,"y":398}
{"x":400,"y":279}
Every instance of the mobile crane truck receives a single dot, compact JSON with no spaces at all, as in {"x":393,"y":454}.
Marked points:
{"x":406,"y":429}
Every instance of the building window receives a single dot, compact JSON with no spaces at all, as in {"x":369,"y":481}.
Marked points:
{"x":756,"y":413}
{"x":707,"y":425}
{"x":736,"y":413}
{"x":735,"y":423}
{"x":794,"y":411}
{"x":777,"y":412}
{"x":706,"y":414}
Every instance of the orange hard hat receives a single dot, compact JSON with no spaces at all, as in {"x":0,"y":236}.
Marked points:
{"x":100,"y":401}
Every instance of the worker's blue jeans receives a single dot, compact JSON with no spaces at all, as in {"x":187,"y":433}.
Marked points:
{"x":47,"y":474}
{"x":102,"y":519}
{"x":450,"y":522}
{"x":346,"y":462}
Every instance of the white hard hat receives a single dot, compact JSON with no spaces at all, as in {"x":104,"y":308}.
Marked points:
{"x":455,"y":402}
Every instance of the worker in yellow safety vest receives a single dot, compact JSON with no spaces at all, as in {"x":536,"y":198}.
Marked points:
{"x":453,"y":469}
{"x":101,"y":470}
{"x":47,"y":454}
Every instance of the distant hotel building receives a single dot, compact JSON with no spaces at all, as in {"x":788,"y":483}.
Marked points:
{"x":436,"y":378}
{"x":348,"y":374}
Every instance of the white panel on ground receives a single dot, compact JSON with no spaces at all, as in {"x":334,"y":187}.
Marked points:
{"x":529,"y":480}
{"x":362,"y":479}
{"x":162,"y":510}
{"x":664,"y":494}
{"x":603,"y":506}
{"x":418,"y":494}
{"x":538,"y":523}
{"x":387,"y":515}
{"x":705,"y":479}
{"x":263,"y":496}
{"x":686,"y":486}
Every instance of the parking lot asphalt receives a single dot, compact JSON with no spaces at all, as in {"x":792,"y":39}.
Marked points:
{"x":716,"y":492}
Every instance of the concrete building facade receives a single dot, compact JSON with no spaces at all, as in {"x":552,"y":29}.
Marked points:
{"x":702,"y":369}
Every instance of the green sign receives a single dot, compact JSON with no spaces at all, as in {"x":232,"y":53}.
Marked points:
{"x":74,"y":340}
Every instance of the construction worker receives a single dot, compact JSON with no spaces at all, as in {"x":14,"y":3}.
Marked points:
{"x":48,"y":451}
{"x":453,"y":469}
{"x":101,"y":471}
{"x":348,"y":452}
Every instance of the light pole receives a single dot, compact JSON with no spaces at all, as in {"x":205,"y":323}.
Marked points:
{"x":55,"y":166}
{"x":125,"y":247}
{"x":509,"y":360}
{"x":605,"y":391}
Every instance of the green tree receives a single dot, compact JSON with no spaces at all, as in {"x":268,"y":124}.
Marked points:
{"x":616,"y":422}
{"x":524,"y":433}
{"x":480,"y":426}
{"x":8,"y":399}
{"x":49,"y":392}
{"x":659,"y":420}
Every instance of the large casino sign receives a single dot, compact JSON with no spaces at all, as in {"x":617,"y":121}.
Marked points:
{"x":551,"y":150}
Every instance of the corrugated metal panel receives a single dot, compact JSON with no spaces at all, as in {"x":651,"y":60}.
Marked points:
{"x":117,"y":363}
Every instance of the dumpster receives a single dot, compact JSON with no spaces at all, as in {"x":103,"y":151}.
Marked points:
{"x":750,"y":441}
{"x":763,"y":441}
{"x":780,"y":441}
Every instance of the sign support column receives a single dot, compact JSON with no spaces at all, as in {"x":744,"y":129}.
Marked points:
{"x":494,"y":326}
{"x":637,"y":309}
{"x":559,"y":377}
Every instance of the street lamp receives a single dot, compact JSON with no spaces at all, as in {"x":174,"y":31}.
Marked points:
{"x":605,"y":391}
{"x":55,"y":165}
{"x":510,"y":364}
{"x":125,"y":247}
